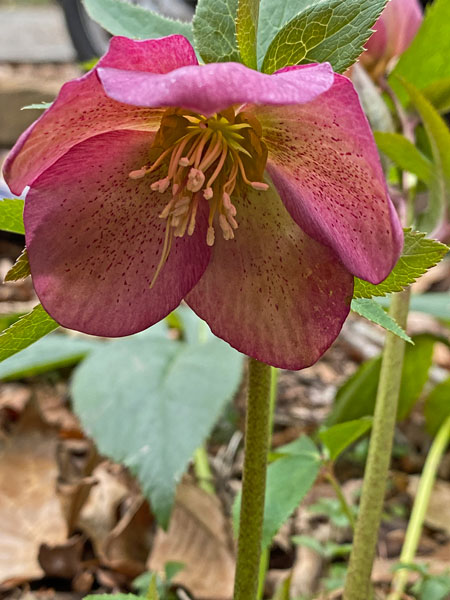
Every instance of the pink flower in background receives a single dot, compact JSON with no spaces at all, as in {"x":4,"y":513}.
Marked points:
{"x":256,"y":198}
{"x":394,"y":32}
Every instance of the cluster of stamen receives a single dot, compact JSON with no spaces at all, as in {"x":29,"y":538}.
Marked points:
{"x":204,"y":159}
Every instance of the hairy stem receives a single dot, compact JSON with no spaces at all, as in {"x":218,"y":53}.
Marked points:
{"x":420,"y":507}
{"x":254,"y":482}
{"x":357,"y":585}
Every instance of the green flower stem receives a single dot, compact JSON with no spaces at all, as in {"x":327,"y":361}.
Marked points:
{"x":357,"y":585}
{"x":203,"y":470}
{"x":420,"y":508}
{"x":254,"y":481}
{"x":265,"y":556}
{"x":346,"y":509}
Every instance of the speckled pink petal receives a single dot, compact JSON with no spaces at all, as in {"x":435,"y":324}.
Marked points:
{"x":82,"y":109}
{"x":273,"y":292}
{"x":209,"y":88}
{"x":324,"y":164}
{"x":94,"y":240}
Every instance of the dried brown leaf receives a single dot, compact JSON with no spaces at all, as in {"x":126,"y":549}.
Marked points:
{"x":199,"y":536}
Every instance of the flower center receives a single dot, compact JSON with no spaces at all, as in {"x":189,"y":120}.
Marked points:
{"x":204,"y":160}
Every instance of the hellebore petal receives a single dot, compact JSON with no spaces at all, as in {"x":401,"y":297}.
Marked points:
{"x":210,"y":88}
{"x":94,"y":240}
{"x":394,"y":32}
{"x":82,"y":109}
{"x":325,"y":165}
{"x":273,"y":292}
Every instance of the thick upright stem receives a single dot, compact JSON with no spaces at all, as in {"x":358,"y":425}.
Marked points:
{"x":254,"y":481}
{"x":357,"y":586}
{"x":420,"y":507}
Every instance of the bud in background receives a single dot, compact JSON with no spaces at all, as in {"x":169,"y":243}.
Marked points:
{"x":394,"y":32}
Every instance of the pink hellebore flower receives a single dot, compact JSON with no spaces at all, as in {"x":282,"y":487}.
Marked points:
{"x":394,"y":32}
{"x":148,"y":186}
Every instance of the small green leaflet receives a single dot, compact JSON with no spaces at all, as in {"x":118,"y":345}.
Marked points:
{"x":20,"y":269}
{"x":439,"y":138}
{"x":215,"y":30}
{"x":371,"y":310}
{"x":11,"y":215}
{"x":339,"y":437}
{"x":419,"y":254}
{"x":24,"y":332}
{"x":246,"y":30}
{"x":426,"y":60}
{"x":123,"y":18}
{"x":326,"y":31}
{"x":404,"y":154}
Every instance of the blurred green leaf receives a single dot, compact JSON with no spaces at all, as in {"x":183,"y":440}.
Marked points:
{"x":372,"y":101}
{"x":325,"y":31}
{"x":289,"y":479}
{"x":426,"y":59}
{"x":20,"y":269}
{"x":47,"y":354}
{"x":161,"y":403}
{"x":246,"y":30}
{"x":437,"y":406}
{"x":339,"y":437}
{"x":356,"y":398}
{"x":371,"y":310}
{"x":152,"y":593}
{"x":122,"y":18}
{"x":215,"y":30}
{"x":418,"y":255}
{"x":11,"y":215}
{"x":438,"y":93}
{"x":24,"y":332}
{"x":404,"y":154}
{"x":432,"y":303}
{"x":439,"y":138}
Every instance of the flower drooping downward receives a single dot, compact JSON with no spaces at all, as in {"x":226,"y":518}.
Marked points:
{"x":255,"y":198}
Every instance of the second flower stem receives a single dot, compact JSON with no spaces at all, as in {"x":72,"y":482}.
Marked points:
{"x":357,"y":585}
{"x":254,"y":481}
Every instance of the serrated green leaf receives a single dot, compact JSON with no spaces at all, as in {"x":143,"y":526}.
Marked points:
{"x":20,"y":269}
{"x":214,"y":26}
{"x":326,"y":31}
{"x":273,"y":16}
{"x":419,"y":254}
{"x":426,"y":59}
{"x":339,"y":437}
{"x":122,"y":18}
{"x":11,"y":215}
{"x":47,"y":354}
{"x":356,"y":398}
{"x":437,"y":406}
{"x":439,"y":138}
{"x":37,"y":106}
{"x":289,"y":478}
{"x":246,"y":31}
{"x":24,"y":332}
{"x":404,"y":154}
{"x":371,"y":310}
{"x":160,"y":405}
